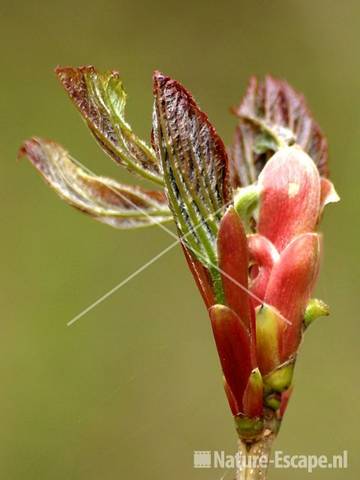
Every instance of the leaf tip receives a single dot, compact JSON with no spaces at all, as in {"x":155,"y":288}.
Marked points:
{"x":159,"y":81}
{"x":29,"y":148}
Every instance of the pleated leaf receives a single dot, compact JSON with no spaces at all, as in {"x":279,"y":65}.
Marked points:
{"x":101,"y":100}
{"x":118,"y":205}
{"x":271,"y":114}
{"x":194,"y":163}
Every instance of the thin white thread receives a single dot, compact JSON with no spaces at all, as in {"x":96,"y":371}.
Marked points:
{"x":160,"y":254}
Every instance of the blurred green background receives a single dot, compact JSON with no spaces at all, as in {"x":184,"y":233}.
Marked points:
{"x":134,"y":387}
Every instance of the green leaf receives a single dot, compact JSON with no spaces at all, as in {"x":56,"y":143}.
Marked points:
{"x":121,"y":206}
{"x":271,"y":115}
{"x":194,"y":162}
{"x":101,"y":100}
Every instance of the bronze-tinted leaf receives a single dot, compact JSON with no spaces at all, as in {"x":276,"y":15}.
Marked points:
{"x":121,"y":206}
{"x":194,"y":162}
{"x":101,"y":100}
{"x":243,"y":159}
{"x":272,"y":113}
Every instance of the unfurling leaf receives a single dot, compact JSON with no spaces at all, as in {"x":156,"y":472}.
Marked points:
{"x":101,"y":100}
{"x":194,"y":162}
{"x":121,"y":206}
{"x":273,"y":114}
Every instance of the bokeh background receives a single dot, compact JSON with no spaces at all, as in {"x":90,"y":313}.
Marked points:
{"x":133,"y":388}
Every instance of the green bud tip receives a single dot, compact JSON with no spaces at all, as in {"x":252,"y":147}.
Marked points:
{"x":267,"y":333}
{"x":279,"y":379}
{"x":315,"y":308}
{"x":246,"y":199}
{"x":273,"y":401}
{"x":248,"y":428}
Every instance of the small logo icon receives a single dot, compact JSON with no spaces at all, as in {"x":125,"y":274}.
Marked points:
{"x":202,"y":459}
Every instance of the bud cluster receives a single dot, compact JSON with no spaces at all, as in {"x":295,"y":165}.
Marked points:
{"x":246,"y":216}
{"x":268,"y":258}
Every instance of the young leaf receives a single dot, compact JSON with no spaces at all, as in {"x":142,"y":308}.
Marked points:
{"x":194,"y":162}
{"x":273,"y":114}
{"x":244,"y":163}
{"x":101,"y":100}
{"x":121,"y":206}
